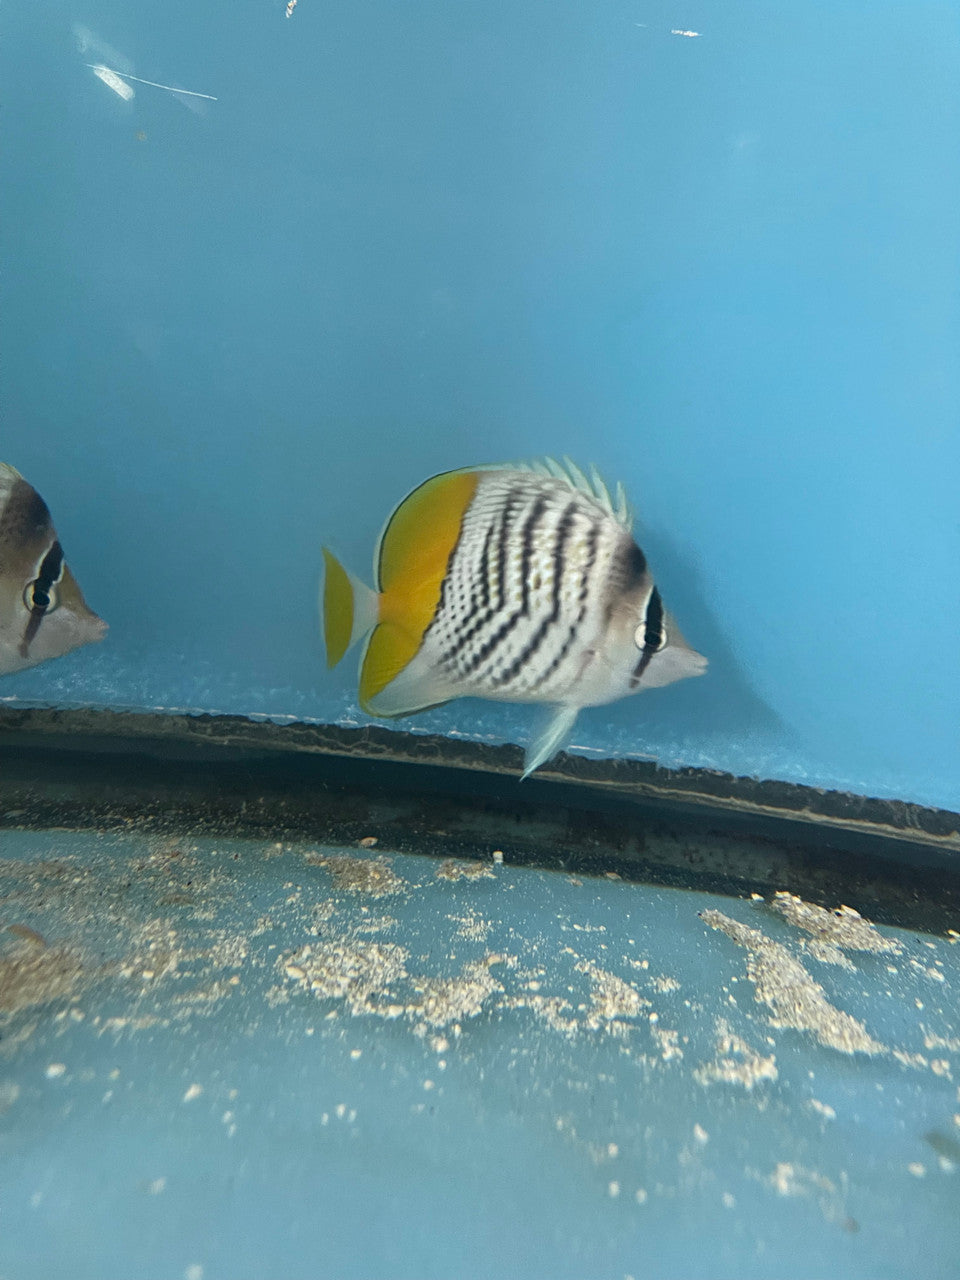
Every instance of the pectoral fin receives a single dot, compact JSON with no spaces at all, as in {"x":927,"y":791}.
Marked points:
{"x":555,"y":735}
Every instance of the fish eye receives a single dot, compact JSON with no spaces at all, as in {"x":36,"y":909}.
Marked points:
{"x":652,"y":641}
{"x":40,"y":597}
{"x":651,"y":634}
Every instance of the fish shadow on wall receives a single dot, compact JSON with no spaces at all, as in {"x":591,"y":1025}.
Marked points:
{"x":719,"y":705}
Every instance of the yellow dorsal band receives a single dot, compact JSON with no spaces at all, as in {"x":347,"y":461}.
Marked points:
{"x":337,"y":608}
{"x":415,"y":549}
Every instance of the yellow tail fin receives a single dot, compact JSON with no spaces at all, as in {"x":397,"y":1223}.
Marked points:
{"x":348,"y":606}
{"x":337,"y":608}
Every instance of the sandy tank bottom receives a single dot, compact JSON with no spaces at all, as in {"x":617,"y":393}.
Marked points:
{"x":228,"y":1059}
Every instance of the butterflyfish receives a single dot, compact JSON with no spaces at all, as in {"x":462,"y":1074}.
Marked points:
{"x":518,"y":583}
{"x":42,"y":610}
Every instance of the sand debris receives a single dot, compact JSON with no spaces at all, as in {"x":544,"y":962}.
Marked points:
{"x":553,"y":1011}
{"x":822,"y":1109}
{"x":447,"y":1002}
{"x":472,"y":926}
{"x":33,"y":975}
{"x":372,"y":876}
{"x":785,"y":986}
{"x":358,"y":973}
{"x":365,"y":974}
{"x":612,"y":1000}
{"x":664,"y":985}
{"x":794,"y":1180}
{"x":668,"y":1042}
{"x":913,"y":1060}
{"x":833,"y":932}
{"x":932,"y":1041}
{"x":736,"y":1062}
{"x":208,"y":994}
{"x":458,"y":869}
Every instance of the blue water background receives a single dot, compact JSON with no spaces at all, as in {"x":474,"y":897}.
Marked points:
{"x":723,"y":266}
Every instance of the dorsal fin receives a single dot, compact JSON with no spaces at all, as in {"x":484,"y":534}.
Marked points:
{"x":593,"y":487}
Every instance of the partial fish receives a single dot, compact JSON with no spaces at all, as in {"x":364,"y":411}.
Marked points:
{"x":516,"y":583}
{"x":42,"y":611}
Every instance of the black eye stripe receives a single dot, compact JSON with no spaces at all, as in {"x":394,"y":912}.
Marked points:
{"x":50,"y":572}
{"x":653,"y":636}
{"x":51,"y":569}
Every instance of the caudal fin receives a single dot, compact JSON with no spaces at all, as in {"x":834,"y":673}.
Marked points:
{"x":348,"y":607}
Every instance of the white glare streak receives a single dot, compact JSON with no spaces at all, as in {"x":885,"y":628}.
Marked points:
{"x":112,"y":81}
{"x":692,"y":35}
{"x":105,"y":72}
{"x":89,"y":42}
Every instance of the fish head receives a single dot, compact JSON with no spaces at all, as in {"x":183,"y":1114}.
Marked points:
{"x":673,"y":659}
{"x":43,"y":613}
{"x":644,"y":647}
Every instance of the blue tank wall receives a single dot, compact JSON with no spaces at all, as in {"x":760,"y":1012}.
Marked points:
{"x":409,"y":237}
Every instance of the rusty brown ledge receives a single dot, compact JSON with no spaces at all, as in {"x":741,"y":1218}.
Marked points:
{"x":705,"y":792}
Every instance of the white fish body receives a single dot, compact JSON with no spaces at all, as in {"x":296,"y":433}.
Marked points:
{"x":535,"y":592}
{"x":43,"y":613}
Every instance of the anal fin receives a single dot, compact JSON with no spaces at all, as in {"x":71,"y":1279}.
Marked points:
{"x":395,"y":683}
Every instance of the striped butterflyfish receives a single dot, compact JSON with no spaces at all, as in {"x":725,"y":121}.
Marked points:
{"x":520,"y":583}
{"x":42,"y":610}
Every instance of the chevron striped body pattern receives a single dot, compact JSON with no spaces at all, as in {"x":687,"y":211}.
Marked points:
{"x":519,"y":584}
{"x":529,"y":588}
